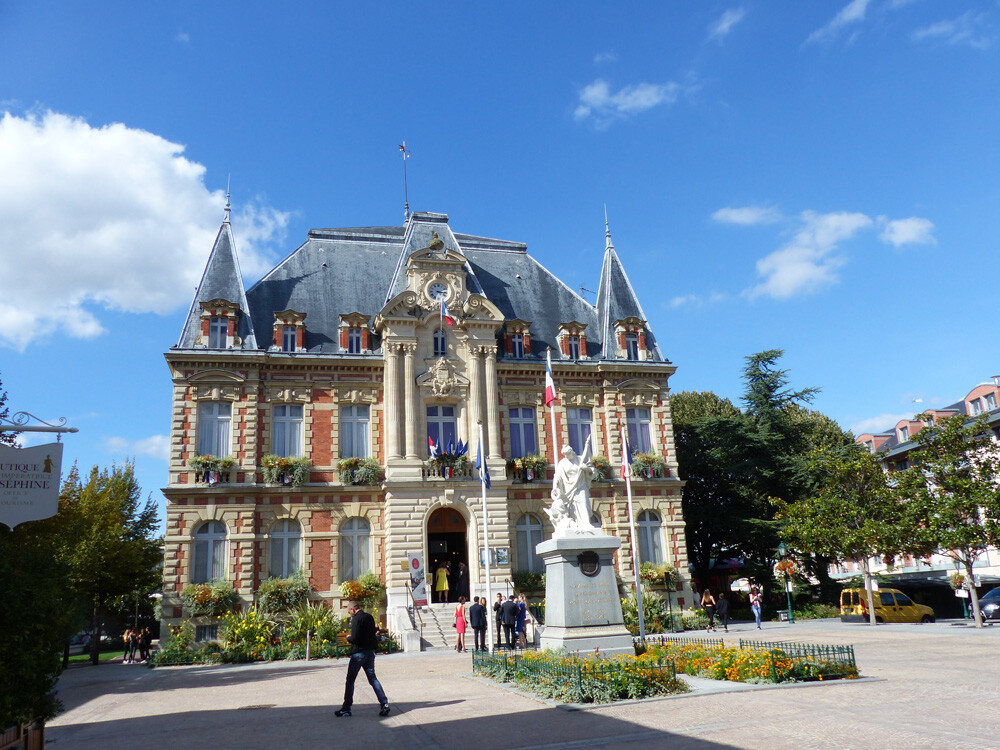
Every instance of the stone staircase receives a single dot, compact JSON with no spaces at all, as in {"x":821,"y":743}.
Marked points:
{"x":438,"y":633}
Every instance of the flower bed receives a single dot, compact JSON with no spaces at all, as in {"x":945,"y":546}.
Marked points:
{"x":758,"y":662}
{"x":574,"y":679}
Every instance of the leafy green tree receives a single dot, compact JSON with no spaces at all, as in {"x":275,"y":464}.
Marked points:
{"x":6,"y":438}
{"x":854,"y":514}
{"x":105,"y":534}
{"x":952,"y":491}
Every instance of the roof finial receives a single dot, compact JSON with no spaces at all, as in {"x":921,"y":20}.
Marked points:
{"x":406,"y":197}
{"x":225,"y":219}
{"x":608,"y":244}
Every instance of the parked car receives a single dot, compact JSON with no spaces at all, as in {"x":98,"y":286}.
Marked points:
{"x":891,"y":605}
{"x":989,"y":604}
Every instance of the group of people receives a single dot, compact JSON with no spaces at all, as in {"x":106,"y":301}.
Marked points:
{"x":720,"y":606}
{"x":137,"y":645}
{"x":451,"y":581}
{"x":511,"y":620}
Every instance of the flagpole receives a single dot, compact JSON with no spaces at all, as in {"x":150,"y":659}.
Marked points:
{"x":490,"y":620}
{"x":635,"y":546}
{"x":552,"y":414}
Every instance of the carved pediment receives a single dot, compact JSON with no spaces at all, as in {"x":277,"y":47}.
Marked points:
{"x":216,"y":376}
{"x":218,"y":306}
{"x":579,"y":398}
{"x":521,"y":398}
{"x":442,"y":380}
{"x":355,"y":395}
{"x":403,"y":305}
{"x":292,"y":394}
{"x":480,"y":308}
{"x":215,"y":392}
{"x":638,"y":392}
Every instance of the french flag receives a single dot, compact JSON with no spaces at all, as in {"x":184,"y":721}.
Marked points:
{"x":431,"y":448}
{"x":445,"y":316}
{"x":550,"y":386}
{"x":626,"y":457}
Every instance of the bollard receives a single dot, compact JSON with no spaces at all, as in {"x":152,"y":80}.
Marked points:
{"x":308,"y":643}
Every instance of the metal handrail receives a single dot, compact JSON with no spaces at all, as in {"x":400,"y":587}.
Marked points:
{"x":416,"y":610}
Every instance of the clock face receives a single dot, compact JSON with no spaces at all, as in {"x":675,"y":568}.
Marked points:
{"x":437,"y":291}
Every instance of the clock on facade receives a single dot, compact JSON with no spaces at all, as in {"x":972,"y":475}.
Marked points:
{"x":437,"y":291}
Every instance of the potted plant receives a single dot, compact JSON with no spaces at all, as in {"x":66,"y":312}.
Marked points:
{"x":648,"y":466}
{"x":603,"y":467}
{"x":212,"y":469}
{"x":366,"y":471}
{"x":528,"y":468}
{"x":285,"y":469}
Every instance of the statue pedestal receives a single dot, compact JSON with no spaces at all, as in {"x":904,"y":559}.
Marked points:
{"x":582,"y":608}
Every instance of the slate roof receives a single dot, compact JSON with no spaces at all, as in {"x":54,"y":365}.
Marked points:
{"x":357,"y":269}
{"x":222,"y":279}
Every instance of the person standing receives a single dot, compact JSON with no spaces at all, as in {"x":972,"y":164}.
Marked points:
{"x":498,"y":616}
{"x":441,"y":583}
{"x":708,"y":604}
{"x":522,"y":619}
{"x":462,"y":581}
{"x":477,"y":620}
{"x":722,"y":608}
{"x":460,"y":625}
{"x":509,"y":620}
{"x":127,"y":642}
{"x":755,"y":604}
{"x":363,"y":642}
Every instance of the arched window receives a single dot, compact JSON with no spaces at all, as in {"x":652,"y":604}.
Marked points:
{"x":286,"y":549}
{"x":440,"y":343}
{"x":529,"y":533}
{"x":650,"y":533}
{"x":355,"y":548}
{"x":209,"y":558}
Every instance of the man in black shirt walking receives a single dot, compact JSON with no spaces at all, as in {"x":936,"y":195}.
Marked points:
{"x":363,"y":644}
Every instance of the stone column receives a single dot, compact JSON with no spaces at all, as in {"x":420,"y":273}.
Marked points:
{"x":475,"y":390}
{"x":410,"y":401}
{"x":492,"y":403}
{"x":391,"y":401}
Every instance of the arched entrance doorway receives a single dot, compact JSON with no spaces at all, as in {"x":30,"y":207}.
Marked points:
{"x":447,"y":543}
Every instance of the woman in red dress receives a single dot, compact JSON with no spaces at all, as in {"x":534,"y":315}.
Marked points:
{"x":460,"y":624}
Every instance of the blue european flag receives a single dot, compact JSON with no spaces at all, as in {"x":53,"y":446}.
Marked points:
{"x":484,"y":472}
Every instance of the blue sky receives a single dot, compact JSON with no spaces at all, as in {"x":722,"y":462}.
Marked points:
{"x":819,"y":177}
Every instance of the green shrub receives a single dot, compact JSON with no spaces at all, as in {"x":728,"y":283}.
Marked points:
{"x":528,"y":580}
{"x":278,"y":595}
{"x":816,"y":612}
{"x":317,"y":618}
{"x":366,"y":471}
{"x":286,"y":469}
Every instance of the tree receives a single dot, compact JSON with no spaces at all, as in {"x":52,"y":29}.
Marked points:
{"x":106,"y":538}
{"x":952,"y":491}
{"x":854,"y":515}
{"x":6,"y":438}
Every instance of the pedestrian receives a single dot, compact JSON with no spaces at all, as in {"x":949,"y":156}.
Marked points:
{"x":498,"y":616}
{"x":145,"y":641}
{"x":364,"y":641}
{"x":755,"y":604}
{"x":708,"y":604}
{"x":509,"y":620}
{"x":722,"y":608}
{"x":441,"y":583}
{"x":127,"y":642}
{"x":462,"y":581}
{"x":460,"y":624}
{"x":477,"y":621}
{"x":522,"y":619}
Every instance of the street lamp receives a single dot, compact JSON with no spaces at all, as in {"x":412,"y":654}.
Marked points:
{"x":782,"y":550}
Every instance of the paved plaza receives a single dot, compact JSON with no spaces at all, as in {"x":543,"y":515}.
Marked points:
{"x":931,"y":686}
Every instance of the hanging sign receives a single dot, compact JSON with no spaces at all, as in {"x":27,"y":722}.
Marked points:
{"x":29,"y":483}
{"x":418,"y":582}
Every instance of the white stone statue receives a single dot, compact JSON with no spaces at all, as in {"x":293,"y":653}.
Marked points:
{"x":571,"y":510}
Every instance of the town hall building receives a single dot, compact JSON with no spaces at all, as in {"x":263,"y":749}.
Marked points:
{"x":319,"y":418}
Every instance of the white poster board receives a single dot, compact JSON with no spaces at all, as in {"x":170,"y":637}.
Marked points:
{"x":29,"y":483}
{"x":418,"y":581}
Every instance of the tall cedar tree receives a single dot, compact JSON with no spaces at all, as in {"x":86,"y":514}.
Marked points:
{"x":853,"y":515}
{"x":952,"y":491}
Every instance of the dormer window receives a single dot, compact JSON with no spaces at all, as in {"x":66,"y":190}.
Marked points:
{"x":632,"y":346}
{"x":991,"y":401}
{"x":975,"y":407}
{"x":573,"y":347}
{"x":355,"y":337}
{"x":904,"y":434}
{"x":354,"y":341}
{"x":517,"y":340}
{"x":572,"y":341}
{"x":631,"y":337}
{"x":517,"y":345}
{"x":218,"y":333}
{"x":289,"y":331}
{"x":440,"y":343}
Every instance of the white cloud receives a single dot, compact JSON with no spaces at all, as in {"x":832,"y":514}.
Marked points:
{"x":155,"y":446}
{"x":721,"y":28}
{"x":879,"y":423}
{"x":808,"y":262}
{"x":695,"y":299}
{"x":597,"y":101}
{"x":605,"y":57}
{"x":968,"y":29}
{"x":747,"y":215}
{"x":105,"y":218}
{"x":853,"y":12}
{"x":183,"y":38}
{"x":911,"y":231}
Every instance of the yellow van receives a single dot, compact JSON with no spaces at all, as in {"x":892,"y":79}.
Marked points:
{"x":891,"y":605}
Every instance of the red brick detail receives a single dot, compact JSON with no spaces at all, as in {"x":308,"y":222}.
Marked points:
{"x":343,"y":338}
{"x":232,"y":327}
{"x":508,"y":344}
{"x":564,"y":345}
{"x":277,"y":334}
{"x":300,"y":337}
{"x":642,"y":341}
{"x":527,"y":342}
{"x":366,"y":340}
{"x":621,"y":340}
{"x":205,"y":322}
{"x":583,"y":345}
{"x":320,"y":574}
{"x":321,"y":521}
